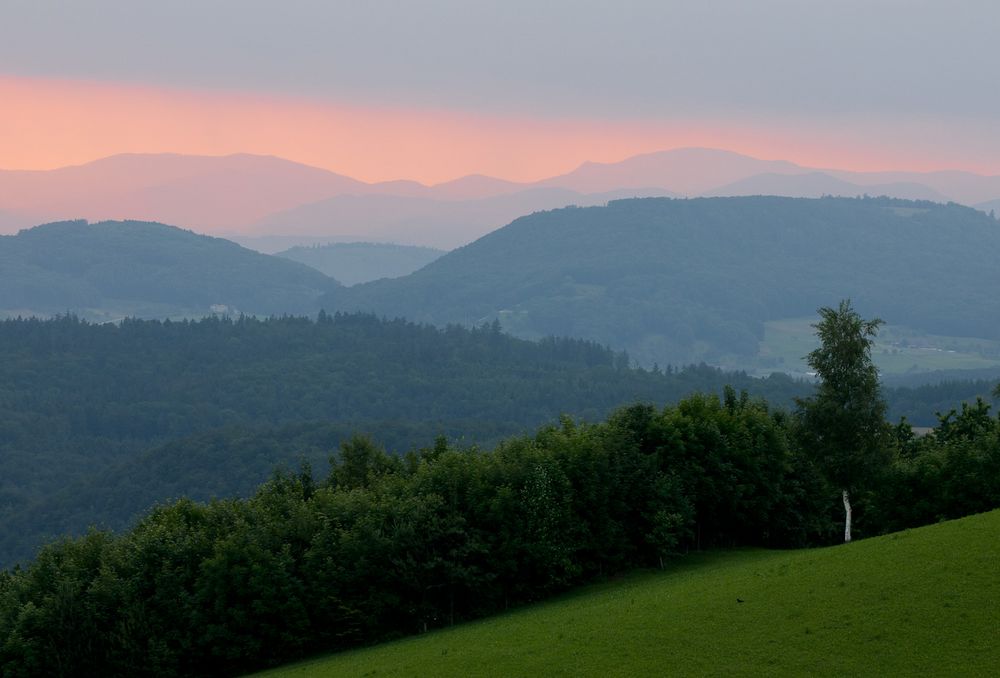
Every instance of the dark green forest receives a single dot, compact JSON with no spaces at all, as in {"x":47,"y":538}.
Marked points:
{"x":681,"y":281}
{"x":381,"y":546}
{"x":99,"y":422}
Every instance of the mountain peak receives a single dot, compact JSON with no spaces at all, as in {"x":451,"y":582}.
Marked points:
{"x":687,"y":171}
{"x":236,"y":193}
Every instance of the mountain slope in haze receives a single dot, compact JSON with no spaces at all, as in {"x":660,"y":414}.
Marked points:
{"x":422,"y":220}
{"x":358,"y":262}
{"x":272,"y":244}
{"x":678,"y":281}
{"x":112,"y":269}
{"x":707,"y":171}
{"x":989,"y":206}
{"x":963,"y":187}
{"x":685,"y":171}
{"x":819,"y":184}
{"x":259,"y":195}
{"x":11,"y":222}
{"x":474,"y":187}
{"x":204,"y":192}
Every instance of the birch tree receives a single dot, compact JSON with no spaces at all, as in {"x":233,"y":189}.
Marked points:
{"x":844,"y":422}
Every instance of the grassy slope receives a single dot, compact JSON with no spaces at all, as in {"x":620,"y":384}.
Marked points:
{"x":922,"y":602}
{"x":898,"y":350}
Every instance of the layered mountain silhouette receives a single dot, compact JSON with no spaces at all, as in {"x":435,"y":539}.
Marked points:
{"x":670,"y":280}
{"x":678,"y":281}
{"x":195,"y":191}
{"x":248,"y":195}
{"x":683,"y":171}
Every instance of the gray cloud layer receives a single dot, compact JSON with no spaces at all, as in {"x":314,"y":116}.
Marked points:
{"x":619,"y":59}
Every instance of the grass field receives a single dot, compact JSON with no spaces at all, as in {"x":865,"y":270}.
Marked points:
{"x":897,"y":350}
{"x":923,"y":602}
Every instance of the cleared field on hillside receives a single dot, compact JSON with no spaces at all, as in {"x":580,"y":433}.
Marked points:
{"x":921,"y":602}
{"x":898,"y":350}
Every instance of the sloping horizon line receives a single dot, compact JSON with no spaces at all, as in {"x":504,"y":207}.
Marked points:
{"x":482,"y":176}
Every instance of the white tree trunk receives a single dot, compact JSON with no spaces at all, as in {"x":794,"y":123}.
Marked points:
{"x":847,"y":517}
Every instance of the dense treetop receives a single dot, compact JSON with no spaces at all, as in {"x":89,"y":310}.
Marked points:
{"x":382,"y":546}
{"x":97,"y":422}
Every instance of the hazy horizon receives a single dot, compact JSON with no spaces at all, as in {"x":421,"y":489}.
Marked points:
{"x":478,"y":175}
{"x":512,"y":90}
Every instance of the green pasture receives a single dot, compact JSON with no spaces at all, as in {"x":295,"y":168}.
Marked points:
{"x":898,"y":350}
{"x":924,"y":602}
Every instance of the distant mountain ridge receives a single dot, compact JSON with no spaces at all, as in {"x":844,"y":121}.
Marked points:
{"x":683,"y":171}
{"x":253,"y":195}
{"x":674,"y":281}
{"x":187,"y":190}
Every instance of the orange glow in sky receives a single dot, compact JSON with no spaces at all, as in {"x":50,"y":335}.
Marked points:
{"x":48,"y":123}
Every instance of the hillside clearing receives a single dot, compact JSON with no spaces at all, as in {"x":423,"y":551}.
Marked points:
{"x":920,"y":602}
{"x":898,"y":350}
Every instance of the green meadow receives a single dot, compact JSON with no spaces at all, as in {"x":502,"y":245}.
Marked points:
{"x":897,"y":350}
{"x":923,"y":602}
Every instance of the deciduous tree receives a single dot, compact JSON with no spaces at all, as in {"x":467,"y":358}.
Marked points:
{"x":844,"y":423}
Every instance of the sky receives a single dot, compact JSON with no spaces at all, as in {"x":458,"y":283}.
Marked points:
{"x":437,"y":89}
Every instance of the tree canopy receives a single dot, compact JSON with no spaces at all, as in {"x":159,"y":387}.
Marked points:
{"x":98,"y":422}
{"x":382,"y":546}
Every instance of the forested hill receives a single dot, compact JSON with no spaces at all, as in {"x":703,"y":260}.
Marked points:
{"x":679,"y":281}
{"x":113,"y":269}
{"x":97,"y":422}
